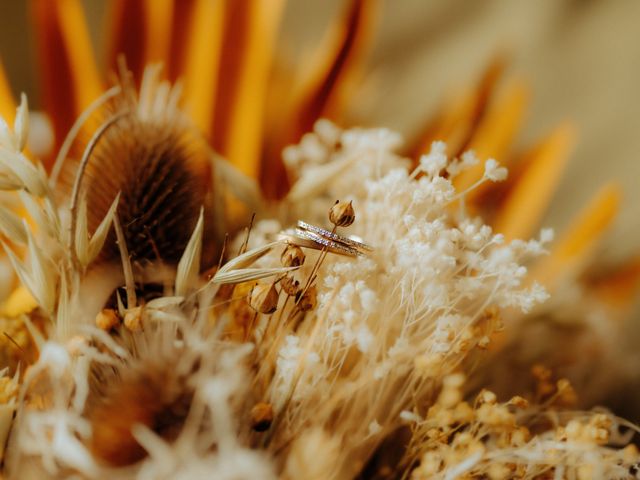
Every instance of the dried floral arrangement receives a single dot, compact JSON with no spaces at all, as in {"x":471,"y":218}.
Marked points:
{"x":386,"y":316}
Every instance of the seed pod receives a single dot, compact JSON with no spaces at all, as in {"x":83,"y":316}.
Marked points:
{"x":107,"y":319}
{"x":293,"y":256}
{"x":309,"y":299}
{"x":290,"y":286}
{"x":261,"y":416}
{"x":264,"y":298}
{"x":342,"y":214}
{"x":133,"y":319}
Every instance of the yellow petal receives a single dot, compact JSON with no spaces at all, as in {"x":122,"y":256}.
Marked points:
{"x":7,"y":102}
{"x":577,"y":244}
{"x":68,"y":71}
{"x":619,"y":288}
{"x":20,"y":301}
{"x":528,"y":198}
{"x":249,"y":41}
{"x":159,"y":14}
{"x":141,"y":30}
{"x":495,"y":133}
{"x":325,"y":83}
{"x":332,"y":70}
{"x":460,"y":115}
{"x":127,"y":27}
{"x":202,"y":60}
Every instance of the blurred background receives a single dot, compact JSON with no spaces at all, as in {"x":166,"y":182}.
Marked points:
{"x":580,"y":57}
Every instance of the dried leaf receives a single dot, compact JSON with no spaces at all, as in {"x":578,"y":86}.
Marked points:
{"x":11,"y":226}
{"x":100,"y":235}
{"x":40,"y":272}
{"x":82,"y":234}
{"x":248,"y":274}
{"x":189,"y":264}
{"x":247,"y":258}
{"x":21,"y":124}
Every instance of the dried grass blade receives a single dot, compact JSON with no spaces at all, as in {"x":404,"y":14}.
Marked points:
{"x":189,"y":264}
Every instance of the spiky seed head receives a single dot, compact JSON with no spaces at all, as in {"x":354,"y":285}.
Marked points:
{"x":261,"y":416}
{"x":342,"y":214}
{"x":264,"y":298}
{"x":292,"y":256}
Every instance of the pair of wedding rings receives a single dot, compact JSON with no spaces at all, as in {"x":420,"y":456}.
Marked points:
{"x":311,"y":236}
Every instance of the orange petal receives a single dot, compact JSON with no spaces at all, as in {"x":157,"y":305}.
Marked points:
{"x":495,"y":133}
{"x":339,"y":60}
{"x":202,"y":60}
{"x":159,"y":14}
{"x":141,"y":31}
{"x":68,"y":71}
{"x":577,"y":244}
{"x":619,"y":288}
{"x":459,"y":117}
{"x":7,"y":102}
{"x":249,"y":41}
{"x":528,"y":198}
{"x":327,"y":80}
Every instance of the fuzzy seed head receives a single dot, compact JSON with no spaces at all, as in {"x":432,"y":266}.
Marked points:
{"x":264,"y":298}
{"x":342,"y":214}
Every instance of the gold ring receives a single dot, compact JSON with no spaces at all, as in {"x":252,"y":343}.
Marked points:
{"x":307,"y":239}
{"x":351,"y":241}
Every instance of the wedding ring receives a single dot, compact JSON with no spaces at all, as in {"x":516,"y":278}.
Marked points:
{"x":351,"y":241}
{"x":311,"y":236}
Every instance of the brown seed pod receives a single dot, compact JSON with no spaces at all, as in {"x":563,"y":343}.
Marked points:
{"x":133,"y":319}
{"x":261,"y":416}
{"x":342,"y":214}
{"x":264,"y":298}
{"x":290,"y":286}
{"x":309,"y":299}
{"x":107,"y":319}
{"x":292,"y":256}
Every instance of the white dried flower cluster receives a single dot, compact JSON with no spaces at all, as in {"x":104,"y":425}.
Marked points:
{"x":405,"y":315}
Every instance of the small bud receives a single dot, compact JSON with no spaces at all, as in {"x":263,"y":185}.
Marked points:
{"x":261,"y":416}
{"x":77,"y":344}
{"x":290,"y":286}
{"x":342,"y":214}
{"x":264,"y":298}
{"x":133,"y":319}
{"x":293,"y":256}
{"x":107,"y":319}
{"x":309,"y":299}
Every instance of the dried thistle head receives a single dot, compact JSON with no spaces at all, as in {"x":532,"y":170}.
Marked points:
{"x":150,"y":153}
{"x":148,"y":394}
